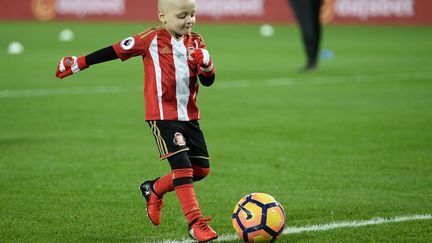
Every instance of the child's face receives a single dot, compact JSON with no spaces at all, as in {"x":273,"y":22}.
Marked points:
{"x":178,"y":16}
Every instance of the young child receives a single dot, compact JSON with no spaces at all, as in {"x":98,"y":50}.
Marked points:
{"x":174,"y":58}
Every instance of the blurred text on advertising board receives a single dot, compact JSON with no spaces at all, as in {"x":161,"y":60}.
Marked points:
{"x":407,"y":12}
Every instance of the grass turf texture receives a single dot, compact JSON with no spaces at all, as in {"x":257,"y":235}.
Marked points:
{"x":357,"y":148}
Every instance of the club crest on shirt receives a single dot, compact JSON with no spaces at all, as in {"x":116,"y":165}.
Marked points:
{"x":179,"y":140}
{"x":190,"y":51}
{"x":127,"y":43}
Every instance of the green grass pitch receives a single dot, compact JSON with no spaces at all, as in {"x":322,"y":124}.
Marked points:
{"x":352,"y":141}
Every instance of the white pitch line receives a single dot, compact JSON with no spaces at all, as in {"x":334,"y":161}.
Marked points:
{"x":279,"y":82}
{"x":66,"y":91}
{"x":316,"y":80}
{"x":233,"y":84}
{"x":368,"y":78}
{"x":356,"y":223}
{"x":325,"y":227}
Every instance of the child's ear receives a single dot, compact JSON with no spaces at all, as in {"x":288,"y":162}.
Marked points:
{"x":161,"y":16}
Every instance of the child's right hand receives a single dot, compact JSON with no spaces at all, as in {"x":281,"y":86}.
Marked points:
{"x":70,"y":65}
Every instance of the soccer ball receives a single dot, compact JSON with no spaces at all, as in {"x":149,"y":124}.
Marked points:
{"x":258,"y":217}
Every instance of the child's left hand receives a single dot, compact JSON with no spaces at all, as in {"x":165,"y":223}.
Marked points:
{"x":203,"y":60}
{"x":202,"y":57}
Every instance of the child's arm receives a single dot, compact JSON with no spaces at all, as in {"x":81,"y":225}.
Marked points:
{"x":70,"y":65}
{"x":206,"y":69}
{"x":207,"y":81}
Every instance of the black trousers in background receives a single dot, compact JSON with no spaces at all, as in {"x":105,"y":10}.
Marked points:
{"x":307,"y":13}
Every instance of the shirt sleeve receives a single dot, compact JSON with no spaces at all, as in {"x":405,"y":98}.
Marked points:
{"x":131,"y":47}
{"x":201,"y":43}
{"x":198,"y":41}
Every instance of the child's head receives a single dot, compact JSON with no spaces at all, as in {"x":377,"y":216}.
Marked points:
{"x":178,"y":16}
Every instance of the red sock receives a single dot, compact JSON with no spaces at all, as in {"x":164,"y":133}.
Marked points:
{"x":183,"y":186}
{"x":164,"y":185}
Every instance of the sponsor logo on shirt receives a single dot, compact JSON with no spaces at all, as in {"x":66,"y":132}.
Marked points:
{"x":165,"y":51}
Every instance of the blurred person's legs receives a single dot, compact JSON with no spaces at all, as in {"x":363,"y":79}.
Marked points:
{"x":308,"y":16}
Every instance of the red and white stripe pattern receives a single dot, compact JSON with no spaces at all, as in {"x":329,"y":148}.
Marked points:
{"x":171,"y":86}
{"x":158,"y":73}
{"x":182,"y":78}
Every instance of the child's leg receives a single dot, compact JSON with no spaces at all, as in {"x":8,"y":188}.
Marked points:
{"x":166,"y":134}
{"x":183,"y":185}
{"x":182,"y":174}
{"x":163,"y":185}
{"x":201,"y":168}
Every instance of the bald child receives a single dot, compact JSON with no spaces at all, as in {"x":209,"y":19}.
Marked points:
{"x":176,"y":63}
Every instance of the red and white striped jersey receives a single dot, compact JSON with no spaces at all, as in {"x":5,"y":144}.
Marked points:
{"x":170,"y":83}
